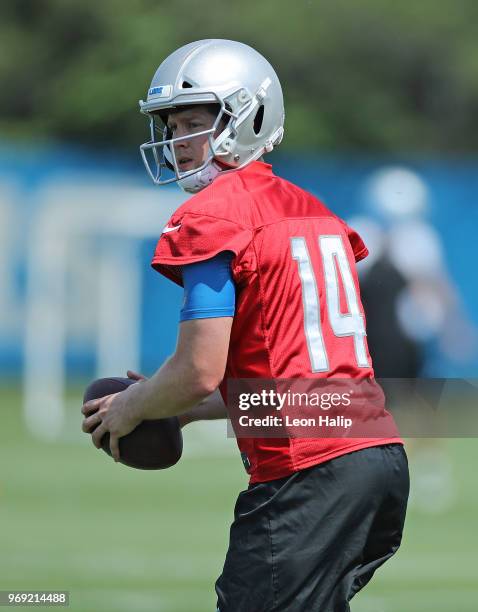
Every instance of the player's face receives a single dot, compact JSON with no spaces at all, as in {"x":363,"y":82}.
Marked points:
{"x":191,"y":152}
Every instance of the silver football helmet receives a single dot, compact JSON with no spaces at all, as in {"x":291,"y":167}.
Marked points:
{"x":243,"y":86}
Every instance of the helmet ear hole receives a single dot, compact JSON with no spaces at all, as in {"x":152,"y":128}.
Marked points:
{"x":258,"y":119}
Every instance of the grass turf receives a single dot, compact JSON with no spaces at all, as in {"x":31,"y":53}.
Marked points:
{"x":122,"y":540}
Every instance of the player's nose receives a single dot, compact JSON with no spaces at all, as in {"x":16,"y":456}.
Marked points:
{"x":181,"y":145}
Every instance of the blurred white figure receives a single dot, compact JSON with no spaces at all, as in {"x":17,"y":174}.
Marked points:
{"x":381,"y":287}
{"x":427,"y":307}
{"x":396,"y":193}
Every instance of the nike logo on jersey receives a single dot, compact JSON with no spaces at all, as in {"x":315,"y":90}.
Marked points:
{"x":171,"y":229}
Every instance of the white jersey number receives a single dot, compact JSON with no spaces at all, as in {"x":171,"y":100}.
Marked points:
{"x":351,"y":323}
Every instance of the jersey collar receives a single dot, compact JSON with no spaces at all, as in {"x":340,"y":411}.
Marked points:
{"x":258,"y":168}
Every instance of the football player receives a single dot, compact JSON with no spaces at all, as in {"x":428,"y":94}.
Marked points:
{"x":270,"y":291}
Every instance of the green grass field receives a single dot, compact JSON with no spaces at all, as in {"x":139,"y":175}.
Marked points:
{"x":125,"y":540}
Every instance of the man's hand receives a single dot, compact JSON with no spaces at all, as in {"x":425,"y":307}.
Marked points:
{"x":116,"y":414}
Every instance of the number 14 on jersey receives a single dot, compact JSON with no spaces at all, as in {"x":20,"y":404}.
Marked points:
{"x":351,"y":323}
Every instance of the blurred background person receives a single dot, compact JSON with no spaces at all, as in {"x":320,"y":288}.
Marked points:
{"x":414,"y":312}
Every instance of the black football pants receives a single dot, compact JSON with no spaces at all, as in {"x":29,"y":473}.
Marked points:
{"x":310,"y":541}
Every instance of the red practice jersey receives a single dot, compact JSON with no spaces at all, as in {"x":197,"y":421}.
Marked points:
{"x":298,"y":310}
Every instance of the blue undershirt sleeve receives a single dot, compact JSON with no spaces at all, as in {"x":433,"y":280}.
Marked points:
{"x":209,"y":289}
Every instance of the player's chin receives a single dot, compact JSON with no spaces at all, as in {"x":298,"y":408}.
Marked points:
{"x":187,"y":167}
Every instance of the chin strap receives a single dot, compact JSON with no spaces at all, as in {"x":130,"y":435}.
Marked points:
{"x":197,"y":181}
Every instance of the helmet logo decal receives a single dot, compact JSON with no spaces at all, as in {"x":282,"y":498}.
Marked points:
{"x":160,"y":92}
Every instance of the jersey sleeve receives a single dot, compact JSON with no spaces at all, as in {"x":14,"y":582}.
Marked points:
{"x":193,"y":237}
{"x":356,"y":242}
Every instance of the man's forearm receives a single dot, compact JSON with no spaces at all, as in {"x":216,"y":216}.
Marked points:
{"x":212,"y":407}
{"x":172,"y":390}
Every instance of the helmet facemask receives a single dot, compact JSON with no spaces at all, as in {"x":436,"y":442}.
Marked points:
{"x":160,"y":154}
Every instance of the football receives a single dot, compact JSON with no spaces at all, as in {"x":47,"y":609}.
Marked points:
{"x":153,"y":445}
